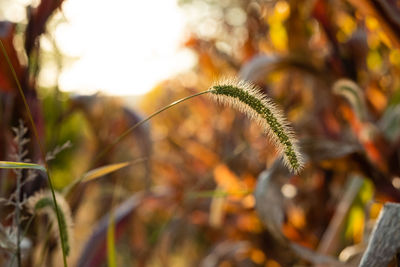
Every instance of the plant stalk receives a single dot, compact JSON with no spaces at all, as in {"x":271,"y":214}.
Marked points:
{"x":128,"y":131}
{"x":17,"y":216}
{"x":43,"y":154}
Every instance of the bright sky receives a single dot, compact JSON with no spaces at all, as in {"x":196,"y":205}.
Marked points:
{"x":125,"y":47}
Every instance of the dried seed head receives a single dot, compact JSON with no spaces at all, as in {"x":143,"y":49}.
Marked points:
{"x":248,"y":99}
{"x":42,"y":203}
{"x":354,"y":94}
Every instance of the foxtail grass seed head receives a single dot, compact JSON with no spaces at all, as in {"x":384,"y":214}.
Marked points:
{"x":354,"y":94}
{"x":42,"y":203}
{"x":248,"y":99}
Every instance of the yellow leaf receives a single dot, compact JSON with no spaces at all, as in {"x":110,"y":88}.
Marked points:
{"x":104,"y":170}
{"x":99,"y":172}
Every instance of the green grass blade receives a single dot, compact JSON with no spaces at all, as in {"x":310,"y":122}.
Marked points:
{"x":21,"y":165}
{"x":111,"y":254}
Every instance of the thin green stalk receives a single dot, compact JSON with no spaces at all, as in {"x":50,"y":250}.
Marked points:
{"x":17,"y":216}
{"x":128,"y":131}
{"x":111,"y":251}
{"x":43,"y":154}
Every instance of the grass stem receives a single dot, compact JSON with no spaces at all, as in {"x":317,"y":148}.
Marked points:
{"x":129,"y":130}
{"x":42,"y":151}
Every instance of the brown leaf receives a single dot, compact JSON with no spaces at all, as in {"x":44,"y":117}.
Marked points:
{"x":7,"y":82}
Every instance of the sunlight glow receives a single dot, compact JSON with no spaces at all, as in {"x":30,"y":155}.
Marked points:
{"x":123,"y":47}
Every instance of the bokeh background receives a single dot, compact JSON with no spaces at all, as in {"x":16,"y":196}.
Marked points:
{"x":202,"y":185}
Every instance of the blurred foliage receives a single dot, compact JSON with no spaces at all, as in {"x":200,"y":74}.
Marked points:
{"x":211,"y":191}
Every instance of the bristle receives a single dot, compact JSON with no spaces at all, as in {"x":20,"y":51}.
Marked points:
{"x":248,"y":99}
{"x":42,"y":203}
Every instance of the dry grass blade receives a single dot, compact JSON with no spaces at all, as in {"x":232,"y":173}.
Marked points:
{"x":104,"y":170}
{"x":100,"y":172}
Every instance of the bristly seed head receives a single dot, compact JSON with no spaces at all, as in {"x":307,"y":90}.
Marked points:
{"x":248,"y":99}
{"x":42,"y":203}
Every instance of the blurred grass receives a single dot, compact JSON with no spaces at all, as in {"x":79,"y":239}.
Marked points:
{"x":204,"y":161}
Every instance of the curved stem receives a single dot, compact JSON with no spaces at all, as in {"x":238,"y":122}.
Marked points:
{"x":128,"y":131}
{"x":17,"y":216}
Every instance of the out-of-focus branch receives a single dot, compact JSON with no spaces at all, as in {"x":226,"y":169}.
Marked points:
{"x":386,"y":12}
{"x":329,"y":241}
{"x":385,"y":239}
